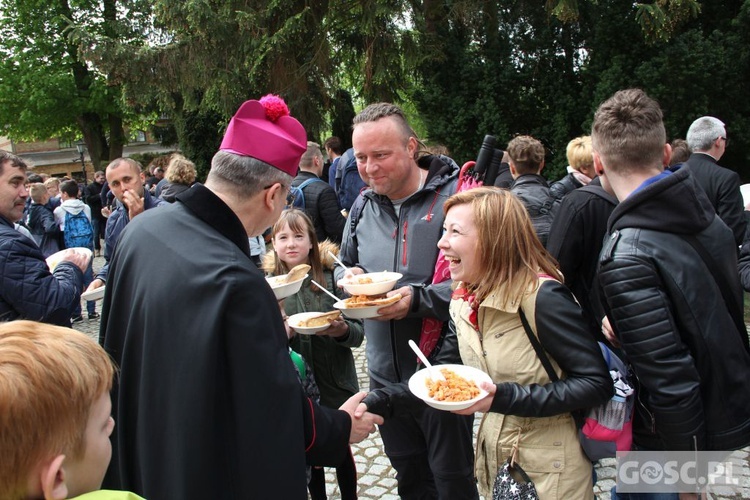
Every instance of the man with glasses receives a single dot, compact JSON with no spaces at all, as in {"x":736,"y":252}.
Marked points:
{"x":707,"y":139}
{"x":208,"y":403}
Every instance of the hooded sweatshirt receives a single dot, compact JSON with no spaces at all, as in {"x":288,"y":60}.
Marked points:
{"x":73,"y":207}
{"x":690,"y":361}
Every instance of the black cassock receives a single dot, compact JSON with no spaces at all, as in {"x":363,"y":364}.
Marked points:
{"x":208,"y":404}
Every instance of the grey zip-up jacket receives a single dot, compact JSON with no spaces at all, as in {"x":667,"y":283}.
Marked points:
{"x":382,"y":241}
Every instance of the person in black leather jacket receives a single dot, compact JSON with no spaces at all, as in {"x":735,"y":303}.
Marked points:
{"x":667,"y":302}
{"x":526,"y":164}
{"x":580,"y":170}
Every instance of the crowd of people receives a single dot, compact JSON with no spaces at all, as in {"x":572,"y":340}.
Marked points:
{"x":217,"y":396}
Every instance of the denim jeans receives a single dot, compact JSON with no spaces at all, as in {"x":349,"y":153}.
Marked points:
{"x":88,"y":277}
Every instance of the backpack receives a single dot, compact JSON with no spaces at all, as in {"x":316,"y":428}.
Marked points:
{"x":605,"y":429}
{"x":78,"y":231}
{"x":608,"y":428}
{"x":348,"y":181}
{"x":298,"y":196}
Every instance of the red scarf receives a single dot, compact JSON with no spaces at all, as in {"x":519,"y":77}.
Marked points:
{"x":462,"y":293}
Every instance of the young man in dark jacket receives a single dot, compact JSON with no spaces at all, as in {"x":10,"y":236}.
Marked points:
{"x":575,"y":240}
{"x":125,"y":180}
{"x":41,"y":221}
{"x":349,"y":183}
{"x":669,"y":280}
{"x":321,"y":204}
{"x":92,"y":197}
{"x":526,"y":164}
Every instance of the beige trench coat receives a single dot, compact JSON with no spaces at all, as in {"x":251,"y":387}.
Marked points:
{"x":549,"y":450}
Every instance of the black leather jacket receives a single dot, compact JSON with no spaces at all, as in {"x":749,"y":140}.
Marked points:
{"x":559,"y":189}
{"x":534,"y":192}
{"x":691,"y":363}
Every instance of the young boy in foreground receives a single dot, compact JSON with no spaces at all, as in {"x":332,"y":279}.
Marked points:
{"x":55,"y":417}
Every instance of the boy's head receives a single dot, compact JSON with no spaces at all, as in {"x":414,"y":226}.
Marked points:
{"x":55,"y":408}
{"x":628,"y":133}
{"x":69,"y":190}
{"x":680,"y":152}
{"x":38,"y":193}
{"x":580,"y":157}
{"x":526,"y":156}
{"x":53,"y":186}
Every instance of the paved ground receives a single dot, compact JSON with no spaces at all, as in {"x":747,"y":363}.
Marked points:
{"x":377,"y":480}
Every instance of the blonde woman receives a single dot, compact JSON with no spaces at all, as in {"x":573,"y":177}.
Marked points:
{"x":502,"y":273}
{"x":179,"y":177}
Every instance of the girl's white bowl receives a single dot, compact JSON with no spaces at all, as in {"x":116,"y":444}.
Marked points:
{"x":283,"y":290}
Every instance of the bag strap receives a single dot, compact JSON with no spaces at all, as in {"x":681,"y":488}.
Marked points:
{"x":538,"y":348}
{"x":307,"y":182}
{"x":354,"y":213}
{"x":576,"y":414}
{"x":735,"y":310}
{"x":516,"y":467}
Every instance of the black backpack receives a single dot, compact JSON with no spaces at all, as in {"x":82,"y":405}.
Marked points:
{"x":298,"y":196}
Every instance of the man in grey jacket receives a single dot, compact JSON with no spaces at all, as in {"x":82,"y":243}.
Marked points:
{"x":395,"y":226}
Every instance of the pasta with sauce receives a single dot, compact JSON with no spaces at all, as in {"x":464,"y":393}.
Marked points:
{"x":453,"y":389}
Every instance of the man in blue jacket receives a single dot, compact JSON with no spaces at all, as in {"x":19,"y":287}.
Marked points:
{"x":28,"y":290}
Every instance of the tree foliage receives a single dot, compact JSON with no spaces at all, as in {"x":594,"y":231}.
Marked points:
{"x":508,"y":67}
{"x":47,"y":88}
{"x":467,"y":67}
{"x":206,"y":58}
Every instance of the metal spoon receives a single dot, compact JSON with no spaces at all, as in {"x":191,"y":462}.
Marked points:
{"x":420,"y":354}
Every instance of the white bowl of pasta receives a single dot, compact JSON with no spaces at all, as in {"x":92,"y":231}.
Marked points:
{"x":460,"y":390}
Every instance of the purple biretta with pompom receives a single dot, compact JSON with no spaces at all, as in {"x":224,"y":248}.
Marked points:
{"x":264,"y":130}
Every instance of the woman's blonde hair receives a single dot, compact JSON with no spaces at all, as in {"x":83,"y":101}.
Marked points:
{"x":299,"y":222}
{"x":579,"y":153}
{"x":508,"y":246}
{"x":180,"y":170}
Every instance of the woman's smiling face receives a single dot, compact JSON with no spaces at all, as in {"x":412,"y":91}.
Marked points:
{"x":460,"y":244}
